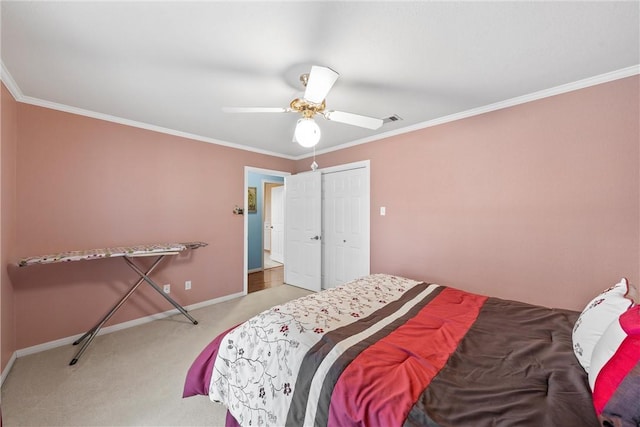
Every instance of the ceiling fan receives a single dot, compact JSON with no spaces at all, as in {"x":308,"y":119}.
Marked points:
{"x":317,"y":84}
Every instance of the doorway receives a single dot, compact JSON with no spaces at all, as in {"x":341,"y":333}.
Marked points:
{"x":260,"y":272}
{"x":269,"y":278}
{"x":273,"y":220}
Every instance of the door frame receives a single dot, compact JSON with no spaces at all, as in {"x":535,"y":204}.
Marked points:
{"x":247,"y":171}
{"x":265,"y":185}
{"x":366,"y":164}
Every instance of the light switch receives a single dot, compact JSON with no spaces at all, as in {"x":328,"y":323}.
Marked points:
{"x":383,"y":211}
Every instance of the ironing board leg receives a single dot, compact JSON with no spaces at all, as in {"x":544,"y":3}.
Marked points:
{"x":91,"y":333}
{"x":146,"y":277}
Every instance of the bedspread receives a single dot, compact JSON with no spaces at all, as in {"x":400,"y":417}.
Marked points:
{"x":385,"y":350}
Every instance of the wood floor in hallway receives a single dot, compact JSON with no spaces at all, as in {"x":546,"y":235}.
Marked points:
{"x":268,"y":278}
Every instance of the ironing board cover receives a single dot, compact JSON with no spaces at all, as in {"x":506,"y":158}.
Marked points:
{"x":118,"y":251}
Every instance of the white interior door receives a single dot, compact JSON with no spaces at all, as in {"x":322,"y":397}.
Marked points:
{"x":303,"y":227}
{"x":277,"y":224}
{"x":345,"y":218}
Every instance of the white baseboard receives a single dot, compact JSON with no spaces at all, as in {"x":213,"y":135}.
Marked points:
{"x":113,"y":328}
{"x":7,"y":368}
{"x":254,"y":270}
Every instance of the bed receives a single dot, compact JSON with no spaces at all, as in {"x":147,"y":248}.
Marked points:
{"x":389,"y":351}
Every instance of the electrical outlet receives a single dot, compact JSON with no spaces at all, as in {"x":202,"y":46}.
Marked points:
{"x":167,"y":289}
{"x":187,"y":285}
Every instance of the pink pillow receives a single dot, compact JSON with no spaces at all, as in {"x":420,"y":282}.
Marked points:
{"x":615,"y":371}
{"x":597,"y":315}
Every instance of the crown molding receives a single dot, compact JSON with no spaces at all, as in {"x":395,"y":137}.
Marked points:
{"x":557,"y":90}
{"x":546,"y":93}
{"x":10,"y":84}
{"x":142,"y":125}
{"x":20,"y":97}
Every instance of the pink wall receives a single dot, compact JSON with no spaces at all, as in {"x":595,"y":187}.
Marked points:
{"x":8,"y":147}
{"x":539,"y":202}
{"x":85,"y":183}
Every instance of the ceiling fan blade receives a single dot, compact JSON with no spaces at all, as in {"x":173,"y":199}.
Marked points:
{"x":320,"y":82}
{"x":255,"y":110}
{"x":353,"y":119}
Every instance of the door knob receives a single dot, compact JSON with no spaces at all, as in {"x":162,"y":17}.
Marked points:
{"x":315,"y":238}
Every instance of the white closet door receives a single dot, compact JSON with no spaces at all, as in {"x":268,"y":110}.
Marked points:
{"x":303,"y":230}
{"x":277,"y":224}
{"x":346,"y":215}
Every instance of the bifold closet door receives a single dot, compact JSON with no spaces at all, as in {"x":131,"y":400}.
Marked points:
{"x":345,"y":225}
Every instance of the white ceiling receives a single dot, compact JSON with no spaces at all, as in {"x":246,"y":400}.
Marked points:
{"x":172,"y":66}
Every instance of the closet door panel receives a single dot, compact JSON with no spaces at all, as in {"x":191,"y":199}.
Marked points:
{"x":345,"y":226}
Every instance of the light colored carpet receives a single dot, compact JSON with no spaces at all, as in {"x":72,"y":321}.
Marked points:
{"x":132,"y":377}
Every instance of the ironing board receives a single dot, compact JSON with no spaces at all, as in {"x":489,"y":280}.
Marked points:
{"x":159,"y":250}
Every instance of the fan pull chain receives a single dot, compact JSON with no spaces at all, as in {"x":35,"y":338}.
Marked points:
{"x":314,"y":165}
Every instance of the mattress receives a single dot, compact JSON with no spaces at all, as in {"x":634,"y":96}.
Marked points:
{"x":387,"y":350}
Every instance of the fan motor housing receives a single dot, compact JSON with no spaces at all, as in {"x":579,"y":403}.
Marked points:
{"x":307,"y":109}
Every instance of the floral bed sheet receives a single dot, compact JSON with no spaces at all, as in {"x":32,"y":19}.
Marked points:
{"x":386,"y":350}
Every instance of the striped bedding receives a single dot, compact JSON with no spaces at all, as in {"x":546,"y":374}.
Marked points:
{"x":390,"y":351}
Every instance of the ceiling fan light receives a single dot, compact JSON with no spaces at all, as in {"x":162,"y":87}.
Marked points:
{"x":307,"y":132}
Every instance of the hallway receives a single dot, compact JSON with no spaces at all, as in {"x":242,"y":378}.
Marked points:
{"x":268,"y":278}
{"x":271,"y":276}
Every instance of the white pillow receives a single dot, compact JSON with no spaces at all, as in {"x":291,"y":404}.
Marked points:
{"x":605,"y":349}
{"x":597,"y":316}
